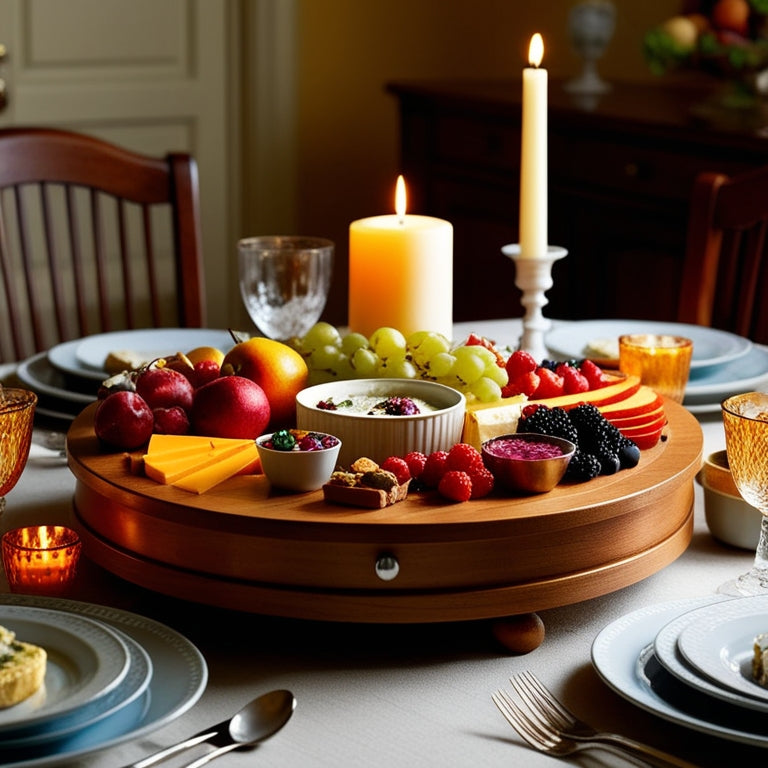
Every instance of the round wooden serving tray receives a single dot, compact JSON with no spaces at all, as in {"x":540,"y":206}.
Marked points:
{"x":246,"y":547}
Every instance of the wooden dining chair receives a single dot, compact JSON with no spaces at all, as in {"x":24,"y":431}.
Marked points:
{"x":93,"y":238}
{"x":725,"y":272}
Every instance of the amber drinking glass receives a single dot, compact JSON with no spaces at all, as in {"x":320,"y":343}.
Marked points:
{"x":17,"y":410}
{"x":661,"y":361}
{"x":745,"y":418}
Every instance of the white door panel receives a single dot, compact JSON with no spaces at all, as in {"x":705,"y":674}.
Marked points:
{"x":151,"y":75}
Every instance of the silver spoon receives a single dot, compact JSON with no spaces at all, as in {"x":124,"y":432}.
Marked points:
{"x":257,"y":720}
{"x":245,"y":725}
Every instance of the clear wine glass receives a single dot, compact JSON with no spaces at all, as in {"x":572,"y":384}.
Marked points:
{"x":17,"y":410}
{"x":745,"y":418}
{"x":284,"y":282}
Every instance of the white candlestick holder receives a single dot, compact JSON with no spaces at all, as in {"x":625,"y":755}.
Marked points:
{"x":533,"y":276}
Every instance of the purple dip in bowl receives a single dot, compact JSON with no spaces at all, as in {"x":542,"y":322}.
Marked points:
{"x":526,"y":462}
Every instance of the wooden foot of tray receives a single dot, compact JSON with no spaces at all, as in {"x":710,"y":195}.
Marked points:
{"x":519,"y":634}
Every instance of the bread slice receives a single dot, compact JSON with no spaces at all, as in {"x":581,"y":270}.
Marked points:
{"x":22,"y":668}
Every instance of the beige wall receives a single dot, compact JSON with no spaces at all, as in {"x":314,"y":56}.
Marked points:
{"x":347,"y":50}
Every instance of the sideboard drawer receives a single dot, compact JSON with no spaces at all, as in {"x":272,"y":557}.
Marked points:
{"x":489,"y":144}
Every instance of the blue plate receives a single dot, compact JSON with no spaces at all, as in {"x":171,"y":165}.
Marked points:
{"x":179,"y":679}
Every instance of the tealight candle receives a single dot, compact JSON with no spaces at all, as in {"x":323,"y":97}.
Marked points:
{"x":401,"y":272}
{"x":40,"y":559}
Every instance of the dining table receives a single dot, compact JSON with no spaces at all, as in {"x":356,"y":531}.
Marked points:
{"x":404,"y":694}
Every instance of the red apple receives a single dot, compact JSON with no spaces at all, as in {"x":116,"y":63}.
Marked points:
{"x":644,"y":400}
{"x":618,"y":389}
{"x":635,"y":420}
{"x":123,"y":420}
{"x":171,"y":421}
{"x":277,"y":368}
{"x":164,"y":388}
{"x":231,"y":406}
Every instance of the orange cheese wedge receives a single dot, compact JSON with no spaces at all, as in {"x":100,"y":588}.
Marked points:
{"x":204,"y":478}
{"x":169,"y":467}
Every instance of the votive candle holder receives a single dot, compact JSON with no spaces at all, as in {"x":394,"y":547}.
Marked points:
{"x":41,"y":559}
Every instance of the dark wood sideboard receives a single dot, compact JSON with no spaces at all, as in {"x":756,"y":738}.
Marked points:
{"x":621,"y":168}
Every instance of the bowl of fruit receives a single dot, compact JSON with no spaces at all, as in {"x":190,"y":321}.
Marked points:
{"x":298,"y":460}
{"x":383,"y":417}
{"x":526,"y":462}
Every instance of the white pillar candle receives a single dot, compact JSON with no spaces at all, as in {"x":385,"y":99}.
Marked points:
{"x":401,"y":272}
{"x":533,"y":158}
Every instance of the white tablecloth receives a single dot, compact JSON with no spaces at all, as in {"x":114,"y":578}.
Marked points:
{"x":384,"y":696}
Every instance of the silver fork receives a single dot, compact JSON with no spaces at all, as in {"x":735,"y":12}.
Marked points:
{"x":547,"y":725}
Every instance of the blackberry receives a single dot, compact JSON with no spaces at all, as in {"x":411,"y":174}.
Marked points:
{"x":629,"y":453}
{"x":543,"y":420}
{"x":582,"y":467}
{"x":552,"y":364}
{"x":596,"y":433}
{"x":610,"y":463}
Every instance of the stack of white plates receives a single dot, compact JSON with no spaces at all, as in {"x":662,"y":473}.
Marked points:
{"x":67,"y":377}
{"x":689,"y":661}
{"x":111,"y":676}
{"x":723,"y":363}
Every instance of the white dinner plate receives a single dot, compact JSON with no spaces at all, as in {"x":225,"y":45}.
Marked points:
{"x":711,"y":347}
{"x":719,"y":643}
{"x":737,"y":376}
{"x":179,"y":679}
{"x":132,"y":687}
{"x":40,"y":376}
{"x":86,"y":660}
{"x":669,"y":656}
{"x":86,"y":357}
{"x":615,"y":654}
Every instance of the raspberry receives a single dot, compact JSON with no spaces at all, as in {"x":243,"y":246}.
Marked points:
{"x":434,"y":468}
{"x":464,"y":457}
{"x":455,"y":485}
{"x":482,"y":482}
{"x":415,"y":461}
{"x":594,"y":374}
{"x":398,"y":467}
{"x":551,"y":385}
{"x":574,"y":380}
{"x":524,"y":384}
{"x":520,"y":362}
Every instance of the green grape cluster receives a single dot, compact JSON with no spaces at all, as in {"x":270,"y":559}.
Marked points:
{"x":387,"y":353}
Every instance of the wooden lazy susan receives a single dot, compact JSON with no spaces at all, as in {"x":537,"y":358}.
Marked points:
{"x":246,"y":547}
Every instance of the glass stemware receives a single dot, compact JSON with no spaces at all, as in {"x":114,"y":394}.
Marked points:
{"x":745,"y":418}
{"x":284,"y":282}
{"x":17,"y":410}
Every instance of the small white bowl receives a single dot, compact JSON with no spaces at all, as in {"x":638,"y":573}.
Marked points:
{"x":299,"y":471}
{"x":729,"y":518}
{"x":378,"y":437}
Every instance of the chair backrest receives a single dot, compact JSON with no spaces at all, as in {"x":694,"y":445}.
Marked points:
{"x":93,"y":238}
{"x":725,"y":273}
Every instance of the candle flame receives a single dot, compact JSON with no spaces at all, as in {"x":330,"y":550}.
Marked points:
{"x":536,"y":50}
{"x":400,"y":198}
